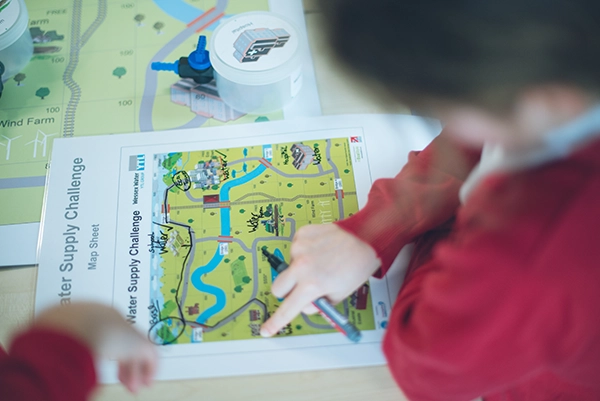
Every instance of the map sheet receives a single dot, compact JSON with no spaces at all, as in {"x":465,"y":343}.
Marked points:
{"x":168,"y":227}
{"x":90,"y":75}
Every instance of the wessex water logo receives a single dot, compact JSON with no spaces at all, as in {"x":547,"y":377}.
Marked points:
{"x":137,"y":162}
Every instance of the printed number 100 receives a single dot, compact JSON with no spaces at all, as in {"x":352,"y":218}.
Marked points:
{"x":128,"y":102}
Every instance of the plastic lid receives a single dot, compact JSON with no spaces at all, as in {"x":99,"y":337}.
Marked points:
{"x":13,"y":22}
{"x":256,"y":48}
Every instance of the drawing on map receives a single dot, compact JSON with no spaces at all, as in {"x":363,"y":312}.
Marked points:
{"x":56,"y":95}
{"x":214,"y":210}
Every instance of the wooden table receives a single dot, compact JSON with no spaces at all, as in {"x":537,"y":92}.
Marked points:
{"x":17,"y":290}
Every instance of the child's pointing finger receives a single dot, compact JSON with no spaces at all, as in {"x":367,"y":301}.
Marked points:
{"x":297,"y":300}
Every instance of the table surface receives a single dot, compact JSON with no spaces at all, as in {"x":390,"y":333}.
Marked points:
{"x":338,"y":96}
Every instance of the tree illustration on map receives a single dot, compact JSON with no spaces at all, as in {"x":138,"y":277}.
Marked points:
{"x":139,"y":18}
{"x":42,"y":93}
{"x":119,"y":72}
{"x":20,"y":77}
{"x":158,"y":26}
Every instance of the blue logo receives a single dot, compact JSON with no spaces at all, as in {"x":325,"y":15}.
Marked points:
{"x":137,"y":162}
{"x":141,"y":162}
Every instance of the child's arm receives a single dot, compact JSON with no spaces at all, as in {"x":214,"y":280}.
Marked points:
{"x":421,"y":197}
{"x":331,"y":261}
{"x":54,"y":359}
{"x":510,"y":296}
{"x":477,"y":318}
{"x":48,"y":365}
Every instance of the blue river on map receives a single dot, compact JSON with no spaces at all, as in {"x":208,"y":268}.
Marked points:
{"x":182,"y":11}
{"x":196,"y":277}
{"x":179,"y":10}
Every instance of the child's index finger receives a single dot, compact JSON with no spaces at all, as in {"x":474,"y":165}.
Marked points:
{"x":291,"y":307}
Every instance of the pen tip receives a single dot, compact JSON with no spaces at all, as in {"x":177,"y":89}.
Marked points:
{"x":355,"y":336}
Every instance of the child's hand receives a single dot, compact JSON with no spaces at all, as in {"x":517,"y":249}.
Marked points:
{"x":326,"y":261}
{"x":108,"y":335}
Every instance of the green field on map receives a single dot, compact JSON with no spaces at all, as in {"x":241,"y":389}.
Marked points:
{"x":90,"y":75}
{"x":213,"y":212}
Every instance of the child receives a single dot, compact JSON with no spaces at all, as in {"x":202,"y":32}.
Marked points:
{"x":502,"y":293}
{"x":54,"y":359}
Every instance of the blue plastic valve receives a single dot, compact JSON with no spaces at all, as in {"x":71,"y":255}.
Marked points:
{"x":196,"y":66}
{"x":199,"y":58}
{"x":160,"y":66}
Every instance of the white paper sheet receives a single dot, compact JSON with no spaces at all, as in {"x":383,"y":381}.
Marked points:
{"x":127,"y":217}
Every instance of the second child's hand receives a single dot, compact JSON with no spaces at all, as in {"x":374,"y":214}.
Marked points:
{"x":107,"y":335}
{"x":326,"y":262}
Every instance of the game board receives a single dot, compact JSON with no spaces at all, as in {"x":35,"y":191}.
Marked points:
{"x":90,"y":75}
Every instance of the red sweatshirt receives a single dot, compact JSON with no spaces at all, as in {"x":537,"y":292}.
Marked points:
{"x":46,"y":365}
{"x":506,"y":305}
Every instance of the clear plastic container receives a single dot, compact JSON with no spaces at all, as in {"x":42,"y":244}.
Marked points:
{"x":16,"y":46}
{"x":257,"y":58}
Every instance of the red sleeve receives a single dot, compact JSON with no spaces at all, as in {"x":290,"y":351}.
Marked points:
{"x":421,"y":197}
{"x":451,"y":334}
{"x":487,"y":312}
{"x":46,"y":365}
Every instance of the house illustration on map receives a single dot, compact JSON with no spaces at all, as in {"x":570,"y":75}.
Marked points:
{"x":252,"y":44}
{"x":193,"y":310}
{"x":41,"y":37}
{"x":254,"y":315}
{"x":203,"y":100}
{"x":254,"y":329}
{"x":210,"y":199}
{"x":174,"y":242}
{"x":359,"y":298}
{"x":206,"y":174}
{"x":274,"y":223}
{"x":303,"y":156}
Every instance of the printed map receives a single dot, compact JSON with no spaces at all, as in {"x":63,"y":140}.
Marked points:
{"x":91,"y":75}
{"x":213,"y":212}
